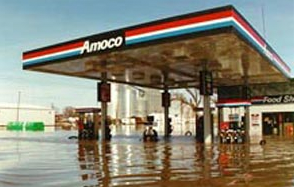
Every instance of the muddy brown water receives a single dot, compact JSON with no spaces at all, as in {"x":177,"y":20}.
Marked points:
{"x":37,"y":159}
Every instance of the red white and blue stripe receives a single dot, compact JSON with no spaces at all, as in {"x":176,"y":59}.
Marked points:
{"x":167,"y":29}
{"x":233,"y":103}
{"x":204,"y":23}
{"x":178,"y":27}
{"x":257,"y":100}
{"x":54,"y":53}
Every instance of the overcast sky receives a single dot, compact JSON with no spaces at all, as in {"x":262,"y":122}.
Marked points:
{"x":30,"y":24}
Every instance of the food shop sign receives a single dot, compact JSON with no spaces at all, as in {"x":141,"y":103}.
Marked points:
{"x":279,"y":99}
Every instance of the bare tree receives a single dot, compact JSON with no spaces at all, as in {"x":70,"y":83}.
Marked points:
{"x":191,"y":99}
{"x":69,"y":111}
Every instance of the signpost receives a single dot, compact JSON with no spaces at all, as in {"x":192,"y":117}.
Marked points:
{"x":206,"y":86}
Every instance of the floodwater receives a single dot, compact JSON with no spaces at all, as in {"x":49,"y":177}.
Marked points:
{"x":38,"y":159}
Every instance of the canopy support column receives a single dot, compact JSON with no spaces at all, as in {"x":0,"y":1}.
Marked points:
{"x":247,"y":123}
{"x":103,"y":110}
{"x":165,"y":104}
{"x":245,"y":66}
{"x":206,"y":89}
{"x":96,"y":125}
{"x":207,"y":120}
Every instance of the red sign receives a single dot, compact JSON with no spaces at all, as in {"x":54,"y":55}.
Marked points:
{"x":104,"y":93}
{"x":224,"y":125}
{"x":165,"y":99}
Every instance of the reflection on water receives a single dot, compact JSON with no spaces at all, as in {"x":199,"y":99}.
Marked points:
{"x":50,"y":159}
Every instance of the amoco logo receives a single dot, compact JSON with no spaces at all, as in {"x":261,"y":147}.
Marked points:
{"x":110,"y":43}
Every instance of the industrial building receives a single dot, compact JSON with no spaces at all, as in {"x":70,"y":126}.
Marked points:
{"x":23,"y":112}
{"x":128,"y":101}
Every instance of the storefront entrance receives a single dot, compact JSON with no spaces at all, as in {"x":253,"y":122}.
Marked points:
{"x":277,"y":123}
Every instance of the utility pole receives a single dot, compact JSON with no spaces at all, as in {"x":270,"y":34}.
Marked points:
{"x":18,"y":104}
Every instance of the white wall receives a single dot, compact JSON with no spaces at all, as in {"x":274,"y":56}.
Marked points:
{"x":27,"y":114}
{"x":256,"y":130}
{"x":274,"y":108}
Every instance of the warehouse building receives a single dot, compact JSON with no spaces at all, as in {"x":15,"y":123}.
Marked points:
{"x":12,"y":112}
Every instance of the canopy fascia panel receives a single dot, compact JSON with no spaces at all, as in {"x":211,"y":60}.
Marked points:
{"x":219,"y":24}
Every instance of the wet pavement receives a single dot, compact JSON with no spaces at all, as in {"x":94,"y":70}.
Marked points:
{"x":51,"y":159}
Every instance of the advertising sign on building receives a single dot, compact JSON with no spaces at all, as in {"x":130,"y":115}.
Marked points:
{"x":255,"y":119}
{"x":278,"y":99}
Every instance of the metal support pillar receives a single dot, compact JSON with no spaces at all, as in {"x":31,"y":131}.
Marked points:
{"x":220,"y":113}
{"x":207,"y":120}
{"x":96,"y":125}
{"x":166,"y":107}
{"x":103,"y":110}
{"x":166,"y":120}
{"x":247,"y":123}
{"x":245,"y":66}
{"x":205,"y":90}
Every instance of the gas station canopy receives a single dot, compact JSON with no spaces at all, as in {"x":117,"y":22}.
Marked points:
{"x":219,"y":40}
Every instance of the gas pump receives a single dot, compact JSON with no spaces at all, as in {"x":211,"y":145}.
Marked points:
{"x":233,"y":131}
{"x":87,"y":129}
{"x":149,"y":133}
{"x":87,"y":122}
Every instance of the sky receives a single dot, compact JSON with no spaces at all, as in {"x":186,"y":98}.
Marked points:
{"x":31,"y":24}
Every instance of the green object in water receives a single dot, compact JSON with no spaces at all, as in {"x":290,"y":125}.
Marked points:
{"x":34,"y":126}
{"x":15,"y":125}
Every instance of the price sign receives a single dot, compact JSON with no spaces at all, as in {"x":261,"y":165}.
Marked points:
{"x":104,"y":92}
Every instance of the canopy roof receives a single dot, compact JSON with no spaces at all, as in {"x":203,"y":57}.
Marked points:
{"x":220,"y":40}
{"x":88,"y":110}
